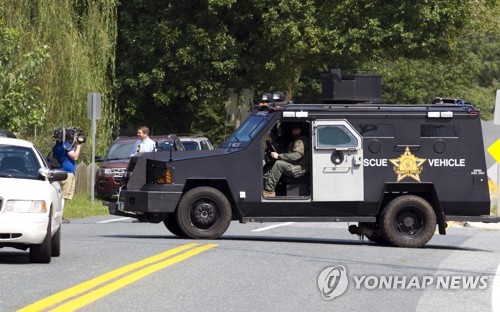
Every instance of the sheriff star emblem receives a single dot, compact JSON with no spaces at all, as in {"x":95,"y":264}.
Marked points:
{"x":408,"y":165}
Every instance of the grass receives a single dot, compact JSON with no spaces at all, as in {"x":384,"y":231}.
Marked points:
{"x":81,"y":206}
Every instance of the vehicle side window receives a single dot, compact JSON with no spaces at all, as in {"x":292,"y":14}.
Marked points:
{"x":376,"y":131}
{"x":204,"y":145}
{"x":164,"y":146}
{"x":335,"y":136}
{"x":40,"y":155}
{"x":439,"y":131}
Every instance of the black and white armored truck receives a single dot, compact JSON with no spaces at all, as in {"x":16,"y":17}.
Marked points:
{"x":395,"y":170}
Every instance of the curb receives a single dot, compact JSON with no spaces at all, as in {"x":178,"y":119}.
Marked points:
{"x":479,"y":225}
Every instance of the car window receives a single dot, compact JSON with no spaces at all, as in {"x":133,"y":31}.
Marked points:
{"x":191,"y":145}
{"x":122,"y":150}
{"x":335,"y":136}
{"x":163,"y":146}
{"x":40,"y":155}
{"x":205,"y":145}
{"x":18,"y":162}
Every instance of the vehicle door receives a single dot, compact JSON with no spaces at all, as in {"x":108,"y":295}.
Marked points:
{"x":337,"y":162}
{"x":55,"y":187}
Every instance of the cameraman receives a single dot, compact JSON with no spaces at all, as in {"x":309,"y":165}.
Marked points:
{"x":67,"y":154}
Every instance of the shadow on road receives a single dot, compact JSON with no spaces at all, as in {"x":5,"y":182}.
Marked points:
{"x":304,"y":240}
{"x":14,"y":257}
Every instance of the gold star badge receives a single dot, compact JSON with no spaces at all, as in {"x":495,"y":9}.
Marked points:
{"x":407,"y":165}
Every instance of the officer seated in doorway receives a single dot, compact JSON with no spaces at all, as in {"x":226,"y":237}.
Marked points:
{"x":292,"y":163}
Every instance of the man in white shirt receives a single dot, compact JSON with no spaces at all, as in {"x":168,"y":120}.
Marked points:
{"x":146,"y":145}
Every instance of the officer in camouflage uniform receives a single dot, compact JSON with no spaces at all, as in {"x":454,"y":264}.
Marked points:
{"x":292,"y":163}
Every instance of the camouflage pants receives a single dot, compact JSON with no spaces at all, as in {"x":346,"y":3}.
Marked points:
{"x":280,"y":168}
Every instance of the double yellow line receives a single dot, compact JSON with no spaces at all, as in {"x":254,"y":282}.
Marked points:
{"x":144,"y":268}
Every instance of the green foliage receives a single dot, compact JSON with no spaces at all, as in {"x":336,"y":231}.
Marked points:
{"x":81,"y":206}
{"x":46,"y":92}
{"x":174,"y":60}
{"x":19,"y":108}
{"x":177,"y":59}
{"x":472,"y":74}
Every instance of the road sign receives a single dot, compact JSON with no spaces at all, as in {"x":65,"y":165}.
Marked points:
{"x":494,"y":150}
{"x":94,"y":106}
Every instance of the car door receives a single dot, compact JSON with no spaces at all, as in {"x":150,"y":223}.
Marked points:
{"x":55,"y":192}
{"x":337,"y":162}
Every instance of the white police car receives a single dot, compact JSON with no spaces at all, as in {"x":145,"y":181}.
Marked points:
{"x":31,"y":203}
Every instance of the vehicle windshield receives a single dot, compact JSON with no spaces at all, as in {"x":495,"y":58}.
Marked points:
{"x":122,"y":150}
{"x":190,"y":145}
{"x":18,"y":162}
{"x":248,"y":130}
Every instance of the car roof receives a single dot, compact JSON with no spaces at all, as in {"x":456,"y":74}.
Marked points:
{"x":15,"y":142}
{"x":187,"y":135}
{"x":7,"y":134}
{"x":152,"y":137}
{"x":193,"y":138}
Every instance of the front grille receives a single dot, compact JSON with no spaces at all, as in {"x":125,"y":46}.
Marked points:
{"x":118,"y":172}
{"x":10,"y":235}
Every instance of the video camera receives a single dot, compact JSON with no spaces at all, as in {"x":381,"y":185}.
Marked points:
{"x":69,"y":135}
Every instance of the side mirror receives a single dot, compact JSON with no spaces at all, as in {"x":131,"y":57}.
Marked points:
{"x":53,"y":174}
{"x":98,"y":159}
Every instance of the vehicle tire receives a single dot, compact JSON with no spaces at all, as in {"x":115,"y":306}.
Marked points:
{"x":172,"y":225}
{"x":203,"y":213}
{"x":56,"y":243}
{"x":42,"y":253}
{"x":408,"y":221}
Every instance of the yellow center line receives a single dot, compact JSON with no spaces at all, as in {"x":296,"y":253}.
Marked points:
{"x":94,"y":295}
{"x":85,"y":286}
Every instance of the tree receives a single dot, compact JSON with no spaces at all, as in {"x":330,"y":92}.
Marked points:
{"x":176,"y":59}
{"x":19,"y":106}
{"x":173,"y":60}
{"x":54,"y":54}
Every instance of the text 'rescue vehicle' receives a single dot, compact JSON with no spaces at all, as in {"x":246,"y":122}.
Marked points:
{"x":396,"y":170}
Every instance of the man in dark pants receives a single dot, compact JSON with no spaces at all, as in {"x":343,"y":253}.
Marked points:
{"x":292,"y":163}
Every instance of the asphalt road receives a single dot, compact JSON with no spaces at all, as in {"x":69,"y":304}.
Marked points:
{"x":253,"y":267}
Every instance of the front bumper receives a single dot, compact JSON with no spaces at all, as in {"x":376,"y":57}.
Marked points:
{"x":23,"y":228}
{"x":144,"y":202}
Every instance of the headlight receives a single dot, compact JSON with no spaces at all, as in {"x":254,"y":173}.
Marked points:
{"x":103,"y":171}
{"x":25,"y":206}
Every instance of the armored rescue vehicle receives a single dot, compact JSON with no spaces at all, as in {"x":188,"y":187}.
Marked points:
{"x":395,"y":170}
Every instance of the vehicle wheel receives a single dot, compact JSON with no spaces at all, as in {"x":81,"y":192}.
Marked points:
{"x":42,"y":253}
{"x":203,"y":213}
{"x":56,"y":243}
{"x":172,"y":225}
{"x":408,"y":221}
